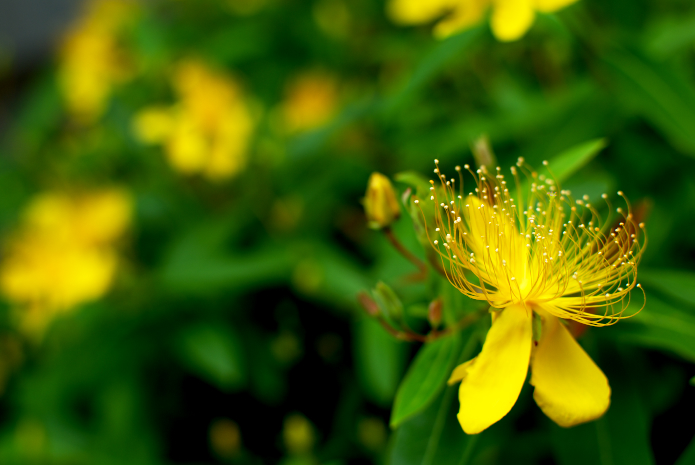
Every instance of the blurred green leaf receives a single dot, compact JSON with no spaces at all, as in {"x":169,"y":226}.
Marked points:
{"x":669,"y":35}
{"x":620,"y":437}
{"x":658,"y":93}
{"x":658,"y":326}
{"x":379,"y":360}
{"x":688,"y":456}
{"x":198,"y":263}
{"x":573,"y":159}
{"x":674,"y":283}
{"x":214,"y":352}
{"x":432,"y":63}
{"x":414,"y":179}
{"x":426,"y":377}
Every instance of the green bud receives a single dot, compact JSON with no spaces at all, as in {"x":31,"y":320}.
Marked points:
{"x":388,"y":301}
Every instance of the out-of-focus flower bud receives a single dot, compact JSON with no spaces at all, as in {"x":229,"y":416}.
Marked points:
{"x":380,"y":202}
{"x":388,"y":301}
{"x":434,"y":313}
{"x":368,"y":304}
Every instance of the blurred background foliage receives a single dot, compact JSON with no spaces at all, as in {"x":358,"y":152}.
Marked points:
{"x":180,"y":188}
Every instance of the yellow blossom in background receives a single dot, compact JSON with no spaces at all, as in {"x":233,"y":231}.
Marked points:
{"x":509,"y":19}
{"x":534,"y":253}
{"x":91,"y":61}
{"x":64,"y":253}
{"x":298,"y":434}
{"x":208,"y":130}
{"x":310,"y":101}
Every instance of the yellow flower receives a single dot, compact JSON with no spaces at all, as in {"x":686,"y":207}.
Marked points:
{"x":208,"y":130}
{"x":91,"y":62}
{"x":64,"y":253}
{"x":380,"y":204}
{"x":534,"y":253}
{"x":310,"y":101}
{"x":510,"y":19}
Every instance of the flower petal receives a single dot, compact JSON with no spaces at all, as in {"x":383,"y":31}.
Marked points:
{"x":548,"y":6}
{"x":511,"y":18}
{"x":570,"y":388}
{"x":417,"y":11}
{"x":494,"y":381}
{"x":460,"y":372}
{"x":466,"y":14}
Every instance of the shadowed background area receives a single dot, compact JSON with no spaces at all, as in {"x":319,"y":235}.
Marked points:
{"x":184,"y":240}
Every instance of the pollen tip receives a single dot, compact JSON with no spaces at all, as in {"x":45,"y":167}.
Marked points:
{"x":457,"y":168}
{"x":466,"y":166}
{"x":416,"y":202}
{"x":545,"y":162}
{"x":436,"y":161}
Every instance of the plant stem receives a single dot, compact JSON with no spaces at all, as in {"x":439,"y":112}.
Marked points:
{"x":405,"y":252}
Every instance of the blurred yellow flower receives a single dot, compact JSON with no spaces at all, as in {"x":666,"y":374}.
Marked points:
{"x":91,"y":61}
{"x":63,"y":253}
{"x":509,"y":20}
{"x":208,"y":130}
{"x":298,"y":434}
{"x":310,"y":101}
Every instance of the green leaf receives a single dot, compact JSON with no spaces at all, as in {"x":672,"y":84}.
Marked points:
{"x":572,"y":160}
{"x":675,"y":283}
{"x":214,"y":352}
{"x":379,"y":359}
{"x":620,"y":437}
{"x":425,"y":378}
{"x":670,"y":35}
{"x":688,"y":456}
{"x":657,"y":92}
{"x":432,"y":63}
{"x":658,"y":326}
{"x":414,"y":179}
{"x":434,"y":436}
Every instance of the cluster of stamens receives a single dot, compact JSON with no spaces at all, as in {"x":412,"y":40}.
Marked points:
{"x":537,"y":246}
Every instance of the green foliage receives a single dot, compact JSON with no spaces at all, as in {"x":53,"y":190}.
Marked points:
{"x":235,"y":299}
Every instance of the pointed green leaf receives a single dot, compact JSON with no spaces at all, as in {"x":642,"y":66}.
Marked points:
{"x":571,"y":160}
{"x":425,"y":378}
{"x":214,"y":352}
{"x":434,"y":436}
{"x":379,"y":360}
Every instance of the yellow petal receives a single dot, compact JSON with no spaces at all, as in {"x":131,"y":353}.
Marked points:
{"x":494,"y":381}
{"x":570,"y":388}
{"x":466,"y":14}
{"x":417,"y":11}
{"x":511,"y":18}
{"x":460,"y":372}
{"x":548,"y":6}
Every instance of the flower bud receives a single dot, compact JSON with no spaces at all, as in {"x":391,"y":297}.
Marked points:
{"x":368,"y":304}
{"x":434,"y":313}
{"x":388,"y":302}
{"x":380,"y":202}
